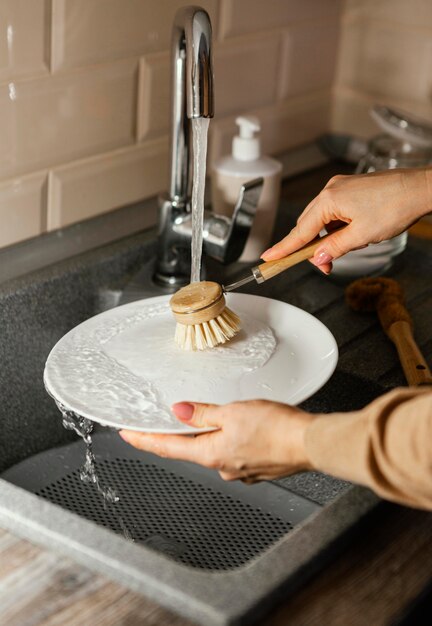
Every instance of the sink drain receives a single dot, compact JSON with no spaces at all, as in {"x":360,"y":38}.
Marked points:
{"x":184,"y":511}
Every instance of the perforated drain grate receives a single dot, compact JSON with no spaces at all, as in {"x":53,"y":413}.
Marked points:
{"x":191,"y":522}
{"x":180,"y":509}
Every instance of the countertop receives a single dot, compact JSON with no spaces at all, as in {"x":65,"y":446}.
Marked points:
{"x":385,"y":566}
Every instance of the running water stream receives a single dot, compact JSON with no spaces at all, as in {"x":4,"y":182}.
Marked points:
{"x":199,"y":140}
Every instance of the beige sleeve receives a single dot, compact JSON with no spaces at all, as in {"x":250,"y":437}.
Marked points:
{"x":386,"y":446}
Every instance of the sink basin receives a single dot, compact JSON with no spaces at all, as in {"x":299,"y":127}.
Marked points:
{"x":179,"y":509}
{"x":216,"y":552}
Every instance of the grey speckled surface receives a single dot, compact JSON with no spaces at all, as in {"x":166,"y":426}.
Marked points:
{"x":343,"y":392}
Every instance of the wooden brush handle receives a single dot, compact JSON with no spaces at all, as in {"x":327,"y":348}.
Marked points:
{"x":413,"y":363}
{"x":273,"y":268}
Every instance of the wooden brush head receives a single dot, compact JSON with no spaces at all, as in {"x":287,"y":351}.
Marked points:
{"x":364,"y":294}
{"x":383,"y":295}
{"x":198,"y":302}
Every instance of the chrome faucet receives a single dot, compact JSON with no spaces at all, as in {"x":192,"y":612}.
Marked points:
{"x":192,"y":97}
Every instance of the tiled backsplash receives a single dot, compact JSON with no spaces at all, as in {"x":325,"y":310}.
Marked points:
{"x":385,"y":56}
{"x":85,"y":90}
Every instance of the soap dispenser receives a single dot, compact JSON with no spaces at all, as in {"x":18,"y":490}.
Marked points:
{"x":246,"y":163}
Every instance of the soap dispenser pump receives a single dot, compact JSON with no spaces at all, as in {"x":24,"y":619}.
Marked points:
{"x":231,"y":172}
{"x":246,"y":146}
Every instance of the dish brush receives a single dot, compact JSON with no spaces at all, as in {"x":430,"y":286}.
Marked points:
{"x":203,"y":319}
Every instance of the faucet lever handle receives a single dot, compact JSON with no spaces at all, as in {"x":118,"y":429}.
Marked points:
{"x":247,"y":202}
{"x":242,"y":219}
{"x":224,"y":238}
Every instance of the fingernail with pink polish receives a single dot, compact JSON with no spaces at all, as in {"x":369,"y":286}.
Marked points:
{"x":266,"y":252}
{"x":322,"y":257}
{"x":183,"y":410}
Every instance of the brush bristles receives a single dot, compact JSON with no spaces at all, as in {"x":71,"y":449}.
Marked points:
{"x":208,"y":334}
{"x":382,"y":294}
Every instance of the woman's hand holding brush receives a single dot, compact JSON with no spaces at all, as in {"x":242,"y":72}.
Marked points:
{"x":375,"y":206}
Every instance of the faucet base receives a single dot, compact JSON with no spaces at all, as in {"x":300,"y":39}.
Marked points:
{"x":173,"y":257}
{"x":223,"y":238}
{"x":168,"y":280}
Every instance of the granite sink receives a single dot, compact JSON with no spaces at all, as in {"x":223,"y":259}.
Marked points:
{"x":218,"y":553}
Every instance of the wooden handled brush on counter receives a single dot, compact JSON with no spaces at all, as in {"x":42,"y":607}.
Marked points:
{"x":385,"y":296}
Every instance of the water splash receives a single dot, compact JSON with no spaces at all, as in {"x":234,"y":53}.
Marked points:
{"x":83,"y":427}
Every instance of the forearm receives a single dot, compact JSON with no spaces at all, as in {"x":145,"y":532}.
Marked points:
{"x":428,"y":185}
{"x":386,"y":446}
{"x":417,"y":196}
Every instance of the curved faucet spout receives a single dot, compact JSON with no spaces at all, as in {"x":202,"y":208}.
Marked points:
{"x":192,"y":90}
{"x":192,"y":97}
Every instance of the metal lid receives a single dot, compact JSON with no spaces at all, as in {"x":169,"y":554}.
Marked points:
{"x":403,"y":126}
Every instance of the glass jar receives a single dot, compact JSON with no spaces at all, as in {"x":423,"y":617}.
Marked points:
{"x":384,"y":152}
{"x":388,"y":153}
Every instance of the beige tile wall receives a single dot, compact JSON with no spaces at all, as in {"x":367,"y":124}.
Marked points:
{"x":385,"y":55}
{"x":24,"y":39}
{"x":84,"y":96}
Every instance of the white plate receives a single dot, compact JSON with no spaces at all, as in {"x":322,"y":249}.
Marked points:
{"x":122,"y":369}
